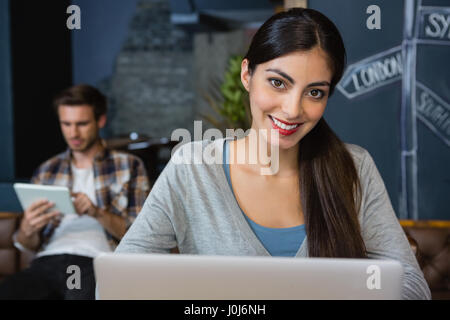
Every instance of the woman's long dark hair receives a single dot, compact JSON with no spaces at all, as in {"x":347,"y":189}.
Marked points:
{"x":330,"y":190}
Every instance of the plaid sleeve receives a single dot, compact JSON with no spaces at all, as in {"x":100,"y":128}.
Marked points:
{"x":36,"y":178}
{"x":138,"y":189}
{"x":51,"y":172}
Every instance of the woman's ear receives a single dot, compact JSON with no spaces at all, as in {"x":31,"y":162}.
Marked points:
{"x":245,"y":74}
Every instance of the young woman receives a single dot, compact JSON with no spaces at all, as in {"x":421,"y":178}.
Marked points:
{"x":327,"y":198}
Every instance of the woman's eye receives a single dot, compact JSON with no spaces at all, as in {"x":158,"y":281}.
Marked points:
{"x":317,"y":94}
{"x":277,"y":83}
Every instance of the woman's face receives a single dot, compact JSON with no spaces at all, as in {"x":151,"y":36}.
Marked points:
{"x":288,"y":94}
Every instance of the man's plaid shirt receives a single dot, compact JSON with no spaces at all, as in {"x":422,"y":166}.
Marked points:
{"x":121,"y":182}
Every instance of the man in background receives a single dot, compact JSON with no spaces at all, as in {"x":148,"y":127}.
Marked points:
{"x":108,"y":191}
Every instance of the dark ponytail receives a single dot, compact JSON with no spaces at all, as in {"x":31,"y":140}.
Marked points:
{"x":330,"y":195}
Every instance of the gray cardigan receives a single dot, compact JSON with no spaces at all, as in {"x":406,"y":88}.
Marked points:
{"x":192,"y":206}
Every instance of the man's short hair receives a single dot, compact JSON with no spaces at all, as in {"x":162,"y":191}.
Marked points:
{"x":82,"y":94}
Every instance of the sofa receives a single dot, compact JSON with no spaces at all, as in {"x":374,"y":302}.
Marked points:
{"x":11,"y":259}
{"x":430,"y":240}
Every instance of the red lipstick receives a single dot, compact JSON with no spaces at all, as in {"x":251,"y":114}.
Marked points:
{"x":284,"y":132}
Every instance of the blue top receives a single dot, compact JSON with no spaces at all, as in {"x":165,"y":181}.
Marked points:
{"x":278,"y":241}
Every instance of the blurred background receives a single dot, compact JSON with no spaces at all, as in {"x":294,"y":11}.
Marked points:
{"x":165,"y":63}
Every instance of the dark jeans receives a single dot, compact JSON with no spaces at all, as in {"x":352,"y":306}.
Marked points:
{"x":50,"y":277}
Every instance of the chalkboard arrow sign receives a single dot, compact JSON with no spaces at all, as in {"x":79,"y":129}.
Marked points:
{"x":387,"y":67}
{"x":434,"y":25}
{"x":434,"y":112}
{"x":429,"y":25}
{"x":372,"y":72}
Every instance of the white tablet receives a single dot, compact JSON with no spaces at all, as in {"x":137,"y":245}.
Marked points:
{"x":60,"y":196}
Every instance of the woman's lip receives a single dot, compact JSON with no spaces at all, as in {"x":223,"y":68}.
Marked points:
{"x":286,"y":123}
{"x":284,"y":131}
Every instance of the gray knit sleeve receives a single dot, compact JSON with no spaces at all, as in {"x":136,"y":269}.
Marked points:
{"x":382,"y":233}
{"x":153,"y":230}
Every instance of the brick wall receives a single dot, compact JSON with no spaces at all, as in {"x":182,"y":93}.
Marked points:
{"x":151,"y":90}
{"x":162,"y":71}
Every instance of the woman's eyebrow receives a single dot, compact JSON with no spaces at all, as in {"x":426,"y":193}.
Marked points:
{"x":289,"y":78}
{"x":319,"y":84}
{"x":284,"y":75}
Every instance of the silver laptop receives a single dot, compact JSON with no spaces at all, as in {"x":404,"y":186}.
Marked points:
{"x":194,"y":277}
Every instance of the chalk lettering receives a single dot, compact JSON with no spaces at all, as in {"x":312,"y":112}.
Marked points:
{"x":437,"y":26}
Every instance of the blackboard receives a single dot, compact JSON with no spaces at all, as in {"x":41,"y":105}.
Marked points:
{"x":368,"y":109}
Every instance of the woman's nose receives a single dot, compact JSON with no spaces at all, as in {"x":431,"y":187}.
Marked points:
{"x":292,"y":107}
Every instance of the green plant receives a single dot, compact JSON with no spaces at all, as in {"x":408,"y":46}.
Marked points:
{"x":229,"y":99}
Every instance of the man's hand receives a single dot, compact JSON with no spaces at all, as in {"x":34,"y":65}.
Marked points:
{"x":36,"y":217}
{"x":83,"y":205}
{"x":112,"y":223}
